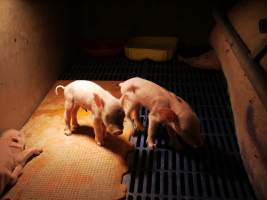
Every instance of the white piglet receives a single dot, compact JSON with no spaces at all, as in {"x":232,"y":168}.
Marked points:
{"x":165,"y":107}
{"x":107,"y":112}
{"x":13,"y":157}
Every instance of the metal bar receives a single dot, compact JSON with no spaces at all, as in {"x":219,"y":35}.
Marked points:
{"x":260,"y":55}
{"x":256,"y":74}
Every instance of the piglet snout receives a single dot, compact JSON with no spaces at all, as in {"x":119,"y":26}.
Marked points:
{"x":114,"y":130}
{"x":117,"y":132}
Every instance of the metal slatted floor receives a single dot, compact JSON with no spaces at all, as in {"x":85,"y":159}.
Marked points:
{"x":215,"y":171}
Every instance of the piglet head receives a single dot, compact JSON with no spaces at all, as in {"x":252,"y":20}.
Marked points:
{"x":112,"y":114}
{"x":191,"y":134}
{"x":113,"y":120}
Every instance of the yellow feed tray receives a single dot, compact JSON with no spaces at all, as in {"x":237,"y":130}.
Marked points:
{"x":153,"y":48}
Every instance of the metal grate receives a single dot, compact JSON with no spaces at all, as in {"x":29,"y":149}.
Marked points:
{"x":214,"y":172}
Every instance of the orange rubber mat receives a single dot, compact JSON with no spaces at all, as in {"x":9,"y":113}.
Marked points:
{"x":71,"y":167}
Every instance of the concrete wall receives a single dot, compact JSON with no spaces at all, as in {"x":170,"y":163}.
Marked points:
{"x":33,"y":39}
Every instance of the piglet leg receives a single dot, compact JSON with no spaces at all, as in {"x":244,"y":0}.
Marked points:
{"x":129,"y":121}
{"x":151,"y":131}
{"x":129,"y":107}
{"x":74,"y":116}
{"x":26,"y":155}
{"x":105,"y":134}
{"x":15,"y":174}
{"x":99,"y":135}
{"x":174,"y":143}
{"x":29,"y":153}
{"x":135,"y":116}
{"x":67,"y":117}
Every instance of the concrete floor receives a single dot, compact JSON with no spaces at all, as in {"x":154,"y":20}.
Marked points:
{"x":71,"y":167}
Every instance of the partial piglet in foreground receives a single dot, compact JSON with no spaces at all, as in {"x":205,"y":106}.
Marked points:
{"x":165,"y":107}
{"x":107,"y":112}
{"x":13,"y":157}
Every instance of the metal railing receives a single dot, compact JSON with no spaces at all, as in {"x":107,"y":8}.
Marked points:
{"x":255,"y":73}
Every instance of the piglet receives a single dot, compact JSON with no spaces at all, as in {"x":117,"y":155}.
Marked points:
{"x":107,"y":112}
{"x":13,"y":157}
{"x":165,"y":107}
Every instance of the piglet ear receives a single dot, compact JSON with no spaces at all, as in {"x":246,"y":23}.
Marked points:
{"x":167,"y":115}
{"x":98,"y":101}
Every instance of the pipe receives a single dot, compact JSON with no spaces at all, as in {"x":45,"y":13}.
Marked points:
{"x":256,"y":74}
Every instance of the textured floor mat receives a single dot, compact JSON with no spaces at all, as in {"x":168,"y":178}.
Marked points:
{"x":71,"y":167}
{"x":216,"y":172}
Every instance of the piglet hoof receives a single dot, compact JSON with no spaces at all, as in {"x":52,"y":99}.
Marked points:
{"x":151,"y":146}
{"x":38,"y":152}
{"x":67,"y":132}
{"x":99,"y":144}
